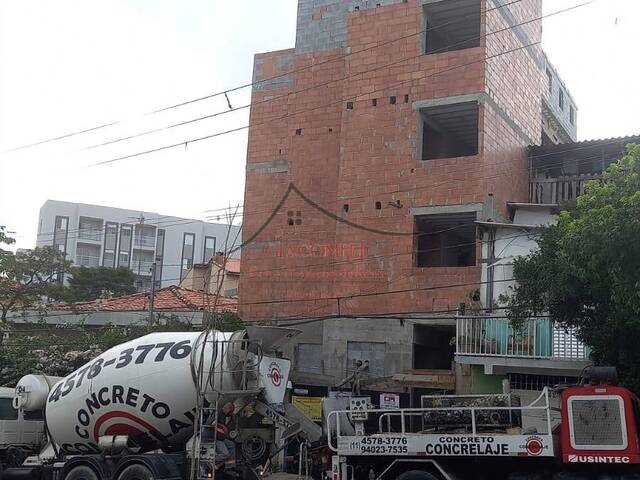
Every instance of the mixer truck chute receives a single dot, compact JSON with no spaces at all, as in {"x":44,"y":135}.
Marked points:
{"x":134,"y":407}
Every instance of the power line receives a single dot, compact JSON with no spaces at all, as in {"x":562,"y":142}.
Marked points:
{"x":355,"y":97}
{"x":306,"y":89}
{"x":254,"y":83}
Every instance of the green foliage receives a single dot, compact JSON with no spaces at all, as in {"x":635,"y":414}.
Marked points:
{"x":26,"y":277}
{"x":98,"y":282}
{"x":60,"y":349}
{"x":586,"y":273}
{"x":224,"y":322}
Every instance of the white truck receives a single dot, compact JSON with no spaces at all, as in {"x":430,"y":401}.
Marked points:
{"x":21,"y":432}
{"x":148,"y":409}
{"x":470,"y":438}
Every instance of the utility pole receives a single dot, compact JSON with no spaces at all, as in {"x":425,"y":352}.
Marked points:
{"x":138,"y":242}
{"x":153,"y":292}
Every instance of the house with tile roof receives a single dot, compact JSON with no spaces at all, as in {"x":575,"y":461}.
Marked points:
{"x":174,"y":302}
{"x":219,"y":274}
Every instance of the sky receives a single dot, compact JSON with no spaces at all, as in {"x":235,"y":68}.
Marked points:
{"x":70,"y":65}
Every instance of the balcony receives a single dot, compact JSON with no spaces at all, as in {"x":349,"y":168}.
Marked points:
{"x":560,"y":173}
{"x":146,"y":241}
{"x":141,"y":267}
{"x":91,"y":234}
{"x":560,"y":189}
{"x":537,"y":345}
{"x":88,"y":260}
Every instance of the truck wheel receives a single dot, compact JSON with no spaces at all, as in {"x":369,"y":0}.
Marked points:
{"x":81,"y":472}
{"x":416,"y":475}
{"x":136,"y":472}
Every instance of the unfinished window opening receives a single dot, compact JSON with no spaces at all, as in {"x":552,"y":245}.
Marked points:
{"x":378,"y":205}
{"x":349,"y":105}
{"x":449,"y":131}
{"x":406,"y":99}
{"x":345,"y":208}
{"x":392,"y":100}
{"x":298,"y":131}
{"x":452,"y":25}
{"x":374,"y":102}
{"x":432,"y":346}
{"x":446,"y":240}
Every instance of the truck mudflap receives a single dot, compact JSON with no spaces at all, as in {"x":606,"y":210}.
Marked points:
{"x":447,"y":445}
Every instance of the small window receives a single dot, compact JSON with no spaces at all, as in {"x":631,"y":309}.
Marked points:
{"x":572,"y":115}
{"x":561,"y":99}
{"x":35,"y":416}
{"x":452,"y":25}
{"x":7,"y":412}
{"x":209,"y":248}
{"x":446,"y":240}
{"x":549,"y":81}
{"x":449,"y":131}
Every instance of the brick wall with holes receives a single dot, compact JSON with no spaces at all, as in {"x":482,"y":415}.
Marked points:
{"x":334,"y":156}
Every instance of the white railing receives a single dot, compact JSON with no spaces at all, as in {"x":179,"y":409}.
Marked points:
{"x":142,"y":265}
{"x":88,"y":260}
{"x":533,"y":338}
{"x":93,"y":234}
{"x":146,"y":241}
{"x":404,"y":424}
{"x":559,"y":189}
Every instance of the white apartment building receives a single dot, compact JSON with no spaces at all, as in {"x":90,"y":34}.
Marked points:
{"x":93,"y":235}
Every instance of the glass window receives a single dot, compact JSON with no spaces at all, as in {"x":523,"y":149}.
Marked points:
{"x":188,"y":242}
{"x":561,"y":99}
{"x":209,"y":249}
{"x":7,"y":412}
{"x":35,"y":416}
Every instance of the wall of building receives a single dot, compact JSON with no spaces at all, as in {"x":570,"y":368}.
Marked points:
{"x":352,"y":148}
{"x":210,"y":278}
{"x":174,"y":227}
{"x":559,"y":126}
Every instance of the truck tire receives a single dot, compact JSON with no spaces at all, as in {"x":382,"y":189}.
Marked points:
{"x":136,"y":472}
{"x":416,"y":475}
{"x":81,"y":472}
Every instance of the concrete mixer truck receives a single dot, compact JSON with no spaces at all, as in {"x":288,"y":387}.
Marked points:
{"x":149,"y":409}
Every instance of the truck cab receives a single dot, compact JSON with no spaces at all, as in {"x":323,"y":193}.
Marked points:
{"x":21,"y":432}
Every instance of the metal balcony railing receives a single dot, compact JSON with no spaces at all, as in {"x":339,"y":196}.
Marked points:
{"x":93,"y":234}
{"x":146,"y":241}
{"x":88,"y":260}
{"x":534,"y":338}
{"x":557,"y":190}
{"x":143,"y":265}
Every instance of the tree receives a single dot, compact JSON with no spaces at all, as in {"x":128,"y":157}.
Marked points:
{"x":586,"y":271}
{"x":26,"y":277}
{"x":98,"y":282}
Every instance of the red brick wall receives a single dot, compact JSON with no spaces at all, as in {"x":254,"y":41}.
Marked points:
{"x":367,"y":154}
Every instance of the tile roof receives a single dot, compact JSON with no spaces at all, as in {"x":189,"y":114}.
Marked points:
{"x":170,"y":299}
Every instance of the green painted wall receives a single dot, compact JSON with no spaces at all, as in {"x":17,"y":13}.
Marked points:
{"x":481,"y":383}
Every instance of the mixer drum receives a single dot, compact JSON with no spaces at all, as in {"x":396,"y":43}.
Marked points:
{"x":144,"y":388}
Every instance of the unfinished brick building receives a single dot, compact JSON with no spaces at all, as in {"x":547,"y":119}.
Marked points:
{"x":401,"y":122}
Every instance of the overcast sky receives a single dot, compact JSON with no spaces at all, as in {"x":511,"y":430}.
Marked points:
{"x":67,"y":65}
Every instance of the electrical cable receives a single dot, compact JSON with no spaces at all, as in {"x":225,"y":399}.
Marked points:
{"x":355,"y":97}
{"x":253,"y":83}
